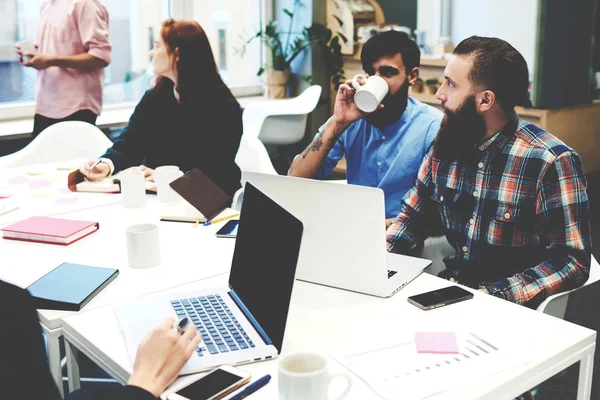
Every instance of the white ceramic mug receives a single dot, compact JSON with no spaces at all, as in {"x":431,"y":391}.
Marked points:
{"x":143,"y":245}
{"x":369,"y":95}
{"x":133,"y":188}
{"x":306,"y":376}
{"x":163,"y":176}
{"x":27,"y":46}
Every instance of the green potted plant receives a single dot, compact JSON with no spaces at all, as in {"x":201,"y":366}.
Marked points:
{"x":285,"y":45}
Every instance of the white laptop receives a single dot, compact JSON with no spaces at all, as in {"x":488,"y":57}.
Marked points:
{"x":344,"y":234}
{"x":244,"y":321}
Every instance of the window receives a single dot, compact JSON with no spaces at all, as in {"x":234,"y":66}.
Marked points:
{"x":229,"y":23}
{"x":133,"y":27}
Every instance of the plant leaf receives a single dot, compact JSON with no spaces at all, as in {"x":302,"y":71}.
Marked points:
{"x":260,"y":71}
{"x":288,"y":13}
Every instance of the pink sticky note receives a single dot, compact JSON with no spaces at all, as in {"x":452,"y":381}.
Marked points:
{"x":67,"y":199}
{"x":65,"y":190}
{"x":5,"y":195}
{"x":436,"y":342}
{"x":40,"y":184}
{"x":16,"y":180}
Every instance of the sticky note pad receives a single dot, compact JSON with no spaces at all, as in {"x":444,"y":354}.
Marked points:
{"x":16,"y":180}
{"x":436,"y":342}
{"x":40,"y":184}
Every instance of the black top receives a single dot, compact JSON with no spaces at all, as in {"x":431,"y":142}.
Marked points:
{"x":24,"y":372}
{"x":163,"y":132}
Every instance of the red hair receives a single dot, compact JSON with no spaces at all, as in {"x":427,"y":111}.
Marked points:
{"x":197,"y":74}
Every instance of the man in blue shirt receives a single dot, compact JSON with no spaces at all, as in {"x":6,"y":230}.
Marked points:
{"x":385,"y":148}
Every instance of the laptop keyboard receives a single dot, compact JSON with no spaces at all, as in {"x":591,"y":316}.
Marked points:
{"x":221,"y":332}
{"x":391,"y":273}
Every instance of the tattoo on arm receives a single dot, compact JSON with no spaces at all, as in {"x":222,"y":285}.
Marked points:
{"x":336,"y":135}
{"x":314,"y":146}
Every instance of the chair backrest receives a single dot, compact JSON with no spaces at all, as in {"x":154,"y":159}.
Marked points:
{"x":60,"y":142}
{"x":280,"y":122}
{"x":556,"y":305}
{"x":253,"y":156}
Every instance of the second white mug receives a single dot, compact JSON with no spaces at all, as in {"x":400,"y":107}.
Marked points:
{"x":143,"y":245}
{"x":306,"y":376}
{"x":369,"y":96}
{"x":133,"y":188}
{"x":163,"y":176}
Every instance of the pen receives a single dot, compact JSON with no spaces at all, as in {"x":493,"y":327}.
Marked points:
{"x":253,"y":387}
{"x":214,"y":221}
{"x":181,"y":325}
{"x":94,"y":164}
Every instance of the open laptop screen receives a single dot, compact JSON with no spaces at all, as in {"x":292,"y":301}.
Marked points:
{"x":264,"y":261}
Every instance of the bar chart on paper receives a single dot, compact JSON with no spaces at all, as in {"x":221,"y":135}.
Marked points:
{"x":398,"y":371}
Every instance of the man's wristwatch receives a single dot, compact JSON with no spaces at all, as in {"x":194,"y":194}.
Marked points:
{"x":495,"y":290}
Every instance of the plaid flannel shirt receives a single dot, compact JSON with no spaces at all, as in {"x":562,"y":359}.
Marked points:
{"x":517,"y":214}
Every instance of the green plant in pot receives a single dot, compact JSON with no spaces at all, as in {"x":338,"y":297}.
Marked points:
{"x":284,"y":46}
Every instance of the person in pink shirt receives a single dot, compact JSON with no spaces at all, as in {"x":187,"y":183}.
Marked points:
{"x":72,"y":51}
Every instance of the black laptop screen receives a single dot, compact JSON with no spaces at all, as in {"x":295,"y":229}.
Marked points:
{"x":264,"y":261}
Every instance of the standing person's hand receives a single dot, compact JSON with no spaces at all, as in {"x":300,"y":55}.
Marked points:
{"x":99,"y":172}
{"x":161,"y":355}
{"x":38,"y":61}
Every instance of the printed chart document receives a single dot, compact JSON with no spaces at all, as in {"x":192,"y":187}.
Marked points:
{"x":398,"y":371}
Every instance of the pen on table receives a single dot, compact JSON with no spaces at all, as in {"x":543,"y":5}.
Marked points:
{"x":214,"y":221}
{"x":253,"y":387}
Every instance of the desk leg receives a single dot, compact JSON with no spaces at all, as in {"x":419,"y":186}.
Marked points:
{"x":54,"y":361}
{"x":586,"y":369}
{"x":72,"y":366}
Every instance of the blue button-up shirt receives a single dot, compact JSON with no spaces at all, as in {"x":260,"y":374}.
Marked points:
{"x":388,"y":158}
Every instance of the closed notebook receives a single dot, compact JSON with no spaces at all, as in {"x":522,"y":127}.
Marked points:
{"x":70,"y":286}
{"x":49,"y":230}
{"x":202,"y":193}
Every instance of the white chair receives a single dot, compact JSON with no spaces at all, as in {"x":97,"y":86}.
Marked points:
{"x":280,"y":122}
{"x":436,"y":248}
{"x":251,"y":156}
{"x":60,"y":142}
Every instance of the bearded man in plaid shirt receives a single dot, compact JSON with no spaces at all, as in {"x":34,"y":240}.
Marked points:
{"x":510,"y":196}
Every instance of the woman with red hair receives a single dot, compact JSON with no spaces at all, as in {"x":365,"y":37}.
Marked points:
{"x":189,"y":119}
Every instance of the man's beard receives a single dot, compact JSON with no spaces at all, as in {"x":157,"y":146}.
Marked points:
{"x":394,"y":106}
{"x":459,"y":132}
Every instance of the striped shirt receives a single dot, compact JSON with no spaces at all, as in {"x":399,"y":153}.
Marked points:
{"x":517,"y":214}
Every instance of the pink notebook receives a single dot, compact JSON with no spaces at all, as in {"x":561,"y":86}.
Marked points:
{"x":49,"y":230}
{"x":436,"y":342}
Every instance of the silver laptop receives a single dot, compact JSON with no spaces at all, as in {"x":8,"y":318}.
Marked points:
{"x":344,"y":234}
{"x":244,"y":321}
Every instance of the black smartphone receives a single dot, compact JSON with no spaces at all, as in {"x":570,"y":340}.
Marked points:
{"x":440,"y":297}
{"x":229,"y":230}
{"x":212,"y":386}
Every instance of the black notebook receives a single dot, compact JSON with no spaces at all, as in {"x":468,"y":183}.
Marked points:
{"x":69,"y":286}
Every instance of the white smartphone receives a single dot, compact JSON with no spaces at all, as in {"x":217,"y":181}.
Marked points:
{"x":217,"y":384}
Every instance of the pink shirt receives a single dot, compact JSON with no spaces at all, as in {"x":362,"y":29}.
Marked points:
{"x":67,"y":28}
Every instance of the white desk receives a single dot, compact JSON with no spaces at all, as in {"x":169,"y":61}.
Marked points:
{"x":328,"y":320}
{"x":187,"y":254}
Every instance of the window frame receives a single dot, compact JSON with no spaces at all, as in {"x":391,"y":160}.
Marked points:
{"x":179,"y":9}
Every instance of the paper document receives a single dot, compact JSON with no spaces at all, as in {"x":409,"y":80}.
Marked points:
{"x":398,"y":371}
